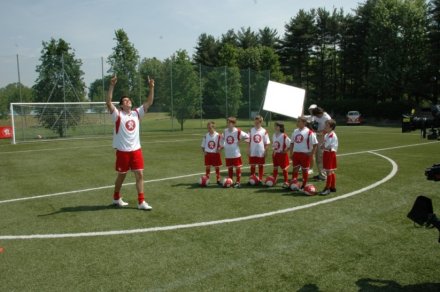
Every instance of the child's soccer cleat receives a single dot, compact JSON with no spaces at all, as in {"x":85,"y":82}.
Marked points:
{"x":285,"y":185}
{"x":237,"y":185}
{"x":310,"y":171}
{"x":144,"y":206}
{"x":119,"y":203}
{"x":318,"y":178}
{"x":219,"y":183}
{"x":333,"y":190}
{"x":325,"y":192}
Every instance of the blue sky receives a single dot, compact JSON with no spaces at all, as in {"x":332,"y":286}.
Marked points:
{"x":156,"y":28}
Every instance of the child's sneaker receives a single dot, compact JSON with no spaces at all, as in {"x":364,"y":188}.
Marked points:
{"x":119,"y":203}
{"x":325,"y":192}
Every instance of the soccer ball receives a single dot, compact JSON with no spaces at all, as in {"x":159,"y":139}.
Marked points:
{"x":294,"y":186}
{"x":204,"y":181}
{"x":253,"y":180}
{"x":227,"y":182}
{"x":270,"y":181}
{"x":310,"y":190}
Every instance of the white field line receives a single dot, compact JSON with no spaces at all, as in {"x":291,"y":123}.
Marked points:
{"x":95,"y":146}
{"x":179,"y":177}
{"x":215,"y":222}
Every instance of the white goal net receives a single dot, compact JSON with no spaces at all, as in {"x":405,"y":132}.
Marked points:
{"x":55,"y":120}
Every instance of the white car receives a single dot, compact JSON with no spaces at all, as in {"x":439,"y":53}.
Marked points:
{"x":354,"y":118}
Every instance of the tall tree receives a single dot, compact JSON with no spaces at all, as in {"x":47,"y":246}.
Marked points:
{"x":397,"y":63}
{"x":296,"y":48}
{"x":13,"y":92}
{"x":434,"y":54}
{"x":60,"y":79}
{"x":124,"y":62}
{"x":185,"y":95}
{"x":268,"y":37}
{"x":97,"y":91}
{"x":206,"y":50}
{"x":156,"y":69}
{"x":230,"y":37}
{"x":247,"y":38}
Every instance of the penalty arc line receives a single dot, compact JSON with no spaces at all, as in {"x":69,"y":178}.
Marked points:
{"x":392,"y":173}
{"x":179,"y":177}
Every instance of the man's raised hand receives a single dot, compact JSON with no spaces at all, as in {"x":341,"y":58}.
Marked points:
{"x":114,"y":80}
{"x":150,"y":82}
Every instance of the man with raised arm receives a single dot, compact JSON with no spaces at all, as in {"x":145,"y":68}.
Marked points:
{"x":127,"y":143}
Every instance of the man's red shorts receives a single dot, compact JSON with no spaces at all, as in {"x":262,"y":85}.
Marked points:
{"x":253,"y":160}
{"x":329,"y":160}
{"x":230,"y":162}
{"x":126,"y":161}
{"x":301,"y":159}
{"x":213,"y":159}
{"x":281,"y":160}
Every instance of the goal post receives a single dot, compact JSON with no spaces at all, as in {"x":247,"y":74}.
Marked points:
{"x":55,"y":120}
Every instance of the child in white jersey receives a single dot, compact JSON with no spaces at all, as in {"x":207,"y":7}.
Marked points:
{"x":211,"y":146}
{"x":280,"y":156}
{"x":302,"y":148}
{"x":230,"y":142}
{"x":258,"y":143}
{"x":330,"y":147}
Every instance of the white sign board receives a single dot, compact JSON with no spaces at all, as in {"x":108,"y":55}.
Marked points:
{"x":284,"y":99}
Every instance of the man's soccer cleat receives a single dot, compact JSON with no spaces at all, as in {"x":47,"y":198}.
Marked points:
{"x":325,"y":192}
{"x":119,"y":203}
{"x":144,"y":206}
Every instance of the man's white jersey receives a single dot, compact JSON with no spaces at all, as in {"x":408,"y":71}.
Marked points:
{"x":321,"y":121}
{"x":331,"y":141}
{"x":230,"y":142}
{"x":126,"y":131}
{"x":281,"y":143}
{"x":211,"y":143}
{"x":303,"y":140}
{"x":259,"y":138}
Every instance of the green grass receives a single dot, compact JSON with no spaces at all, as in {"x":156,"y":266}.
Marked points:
{"x":362,"y":243}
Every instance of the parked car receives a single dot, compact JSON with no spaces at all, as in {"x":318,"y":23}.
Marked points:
{"x":354,"y":118}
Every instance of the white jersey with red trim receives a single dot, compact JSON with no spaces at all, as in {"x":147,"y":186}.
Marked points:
{"x":126,"y":131}
{"x":230,"y":140}
{"x":259,"y":138}
{"x":211,"y":142}
{"x":281,"y":143}
{"x":303,"y":140}
{"x":331,"y":141}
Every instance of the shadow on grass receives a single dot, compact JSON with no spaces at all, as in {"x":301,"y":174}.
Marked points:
{"x":86,"y":209}
{"x":378,"y":285}
{"x":309,"y":288}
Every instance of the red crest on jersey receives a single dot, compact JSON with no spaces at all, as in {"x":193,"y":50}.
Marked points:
{"x":130,"y":125}
{"x":276,"y":145}
{"x":230,"y":140}
{"x":299,"y":138}
{"x":211,"y":144}
{"x":257,"y":138}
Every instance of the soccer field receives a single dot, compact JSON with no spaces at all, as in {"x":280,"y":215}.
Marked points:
{"x":59,"y":232}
